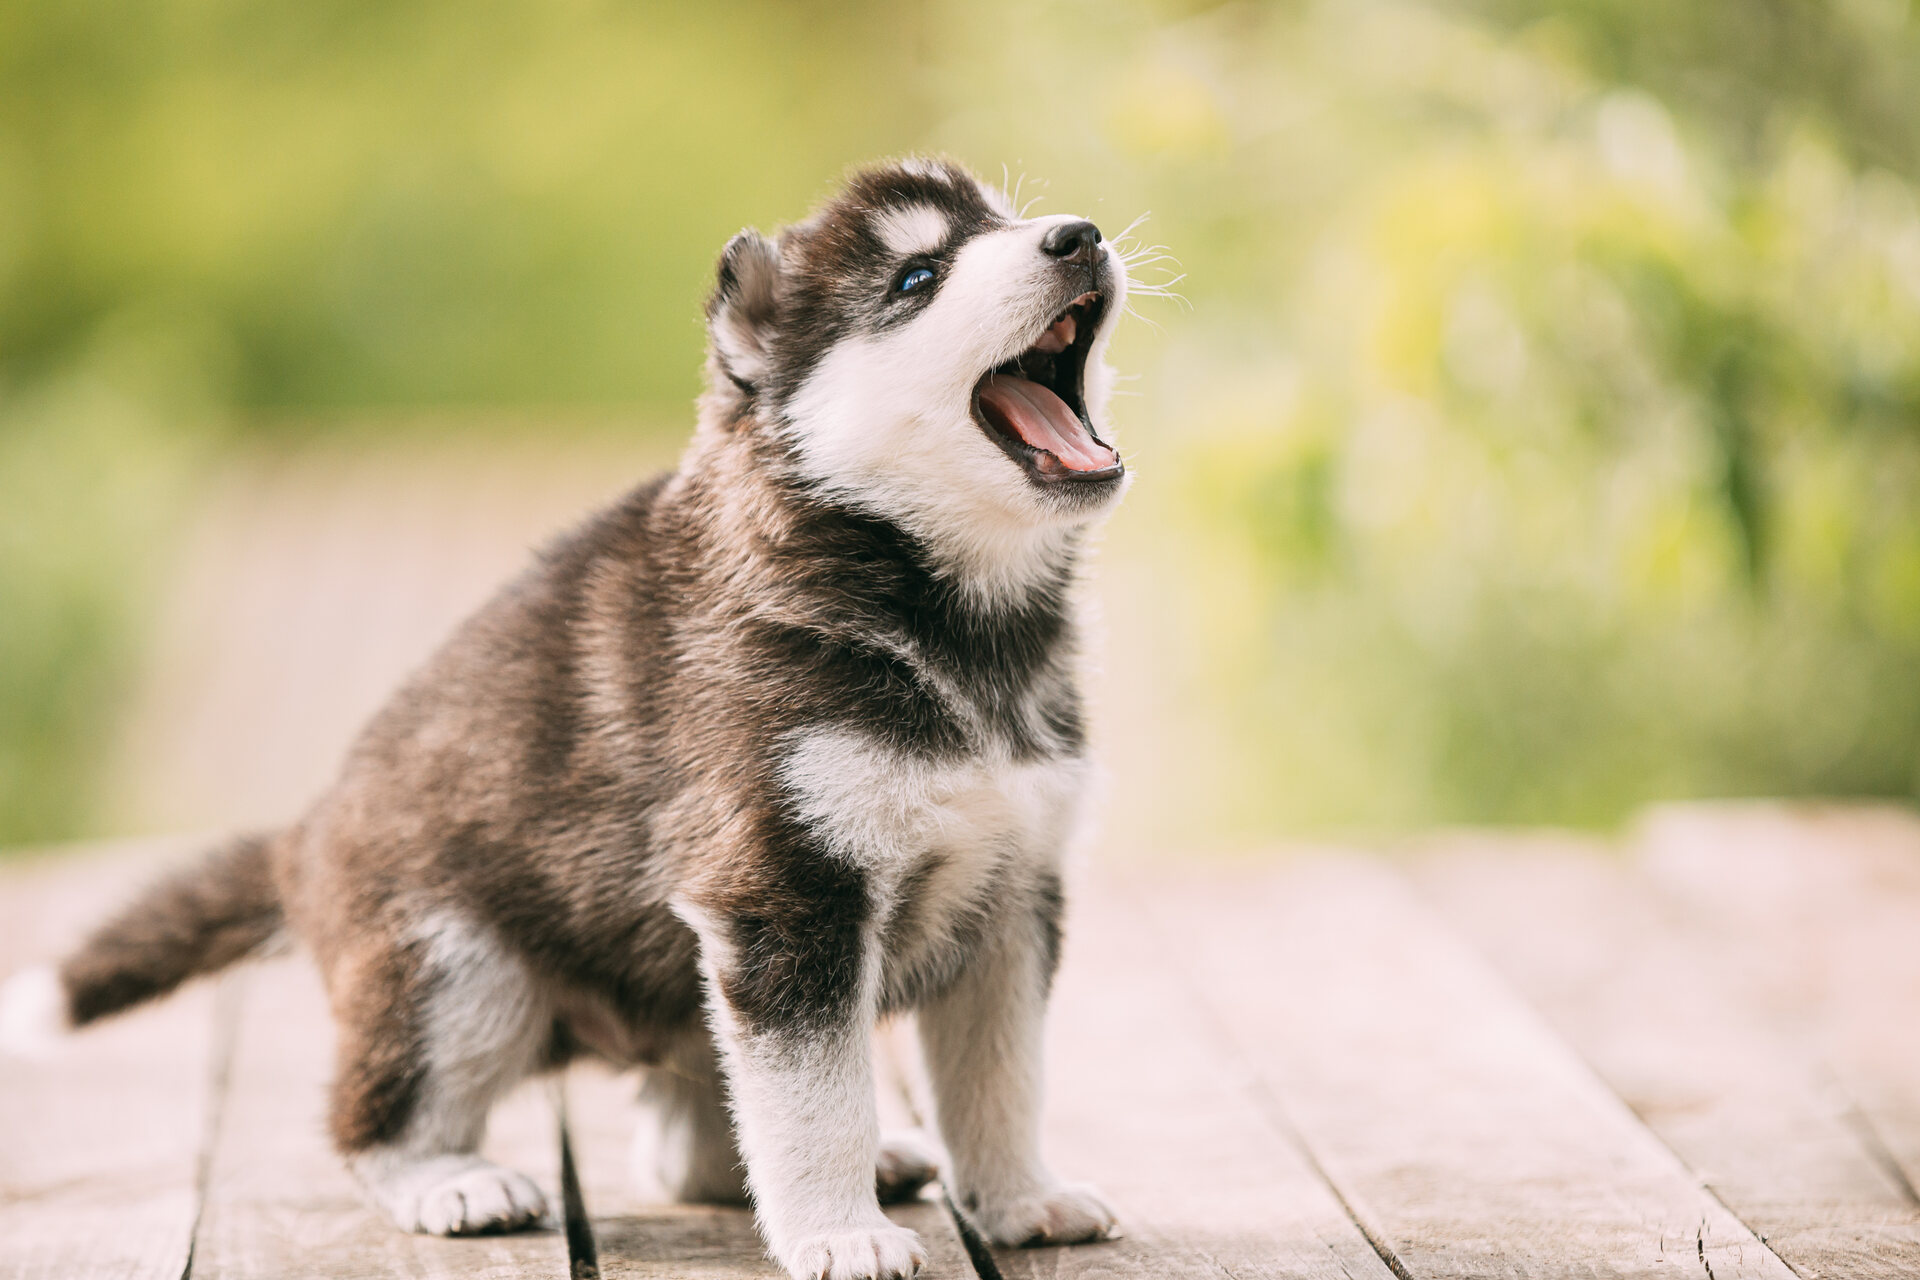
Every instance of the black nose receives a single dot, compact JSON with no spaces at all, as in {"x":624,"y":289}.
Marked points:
{"x":1072,"y":241}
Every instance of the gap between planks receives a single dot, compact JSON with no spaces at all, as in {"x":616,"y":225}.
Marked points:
{"x":1695,"y":1007}
{"x":186,"y":1139}
{"x":106,"y":1172}
{"x":278,"y":1200}
{"x":1465,"y":1135}
{"x":652,"y":1239}
{"x":1147,"y":1102}
{"x":98,"y":1164}
{"x":294,"y":1214}
{"x":1199,"y":1023}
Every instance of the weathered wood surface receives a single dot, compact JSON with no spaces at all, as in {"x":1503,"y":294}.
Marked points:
{"x":1463,"y":1135}
{"x":1148,"y":1099}
{"x":1495,"y":1056}
{"x":1819,"y":909}
{"x":280,"y":1203}
{"x":1693,"y":1037}
{"x":634,"y":1238}
{"x":99,"y":1151}
{"x":638,"y":1238}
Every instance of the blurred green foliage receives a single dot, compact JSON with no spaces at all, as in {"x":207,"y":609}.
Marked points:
{"x":1565,"y":452}
{"x":1541,"y":437}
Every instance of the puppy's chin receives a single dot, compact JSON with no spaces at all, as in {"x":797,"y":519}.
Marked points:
{"x":858,"y":437}
{"x":970,"y":469}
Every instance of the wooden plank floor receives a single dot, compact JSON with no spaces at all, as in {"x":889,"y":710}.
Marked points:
{"x":1692,"y":1051}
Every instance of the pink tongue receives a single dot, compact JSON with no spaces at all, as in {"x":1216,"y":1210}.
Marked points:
{"x":1043,"y":420}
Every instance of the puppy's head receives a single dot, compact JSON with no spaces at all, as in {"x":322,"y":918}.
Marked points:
{"x":926,"y":354}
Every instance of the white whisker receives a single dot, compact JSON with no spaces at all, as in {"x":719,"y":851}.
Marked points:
{"x":1036,"y":198}
{"x":1128,"y":230}
{"x":1150,"y":323}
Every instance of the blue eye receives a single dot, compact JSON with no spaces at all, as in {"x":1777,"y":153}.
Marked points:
{"x":914,"y":279}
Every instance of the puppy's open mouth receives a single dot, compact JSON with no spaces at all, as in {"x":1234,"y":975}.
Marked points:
{"x":1034,"y":406}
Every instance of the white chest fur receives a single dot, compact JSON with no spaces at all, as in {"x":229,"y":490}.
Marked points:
{"x":883,"y":809}
{"x":946,"y":827}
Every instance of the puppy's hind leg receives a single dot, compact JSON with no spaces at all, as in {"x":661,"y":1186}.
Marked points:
{"x":684,"y":1143}
{"x":432,"y":1031}
{"x":983,"y":1046}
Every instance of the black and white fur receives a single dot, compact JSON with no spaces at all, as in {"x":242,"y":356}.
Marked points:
{"x":783,"y":742}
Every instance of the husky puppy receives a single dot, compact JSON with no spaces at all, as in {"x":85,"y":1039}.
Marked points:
{"x":783,"y":742}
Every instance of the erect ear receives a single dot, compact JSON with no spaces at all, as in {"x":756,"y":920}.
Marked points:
{"x":740,"y":313}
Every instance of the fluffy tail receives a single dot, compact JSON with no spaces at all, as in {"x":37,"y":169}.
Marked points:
{"x":199,"y":919}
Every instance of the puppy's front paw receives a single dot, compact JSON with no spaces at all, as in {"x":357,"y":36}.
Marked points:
{"x":478,"y":1201}
{"x":1062,"y":1215}
{"x":869,"y":1253}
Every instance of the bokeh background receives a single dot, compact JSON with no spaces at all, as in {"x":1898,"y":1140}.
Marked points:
{"x":1539,"y":435}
